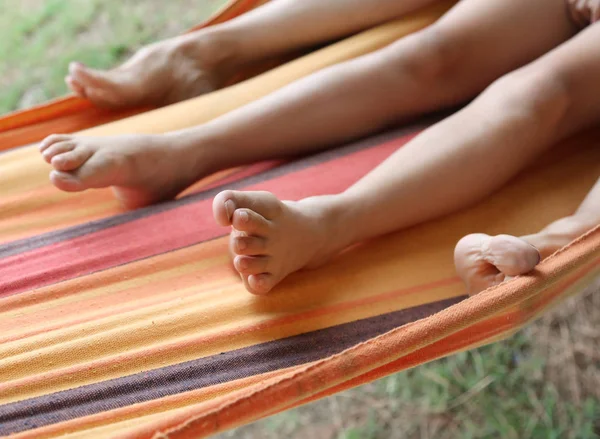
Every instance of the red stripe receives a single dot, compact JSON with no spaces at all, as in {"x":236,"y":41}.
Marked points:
{"x":173,"y":229}
{"x":244,"y":172}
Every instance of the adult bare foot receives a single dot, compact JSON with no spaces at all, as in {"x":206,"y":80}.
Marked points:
{"x":162,"y":73}
{"x":483,"y":261}
{"x":142,"y":169}
{"x":272,"y":238}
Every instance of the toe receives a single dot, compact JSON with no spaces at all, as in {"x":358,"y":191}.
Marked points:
{"x":52,"y":139}
{"x":66,"y":181}
{"x":241,"y":244}
{"x":247,"y":265}
{"x":260,"y":284}
{"x":96,"y":85}
{"x":75,"y":86}
{"x":513,"y":256}
{"x":223,"y":208}
{"x":87,"y":77}
{"x":250,"y":222}
{"x":71,"y":160}
{"x":57,"y":148}
{"x":263,"y":203}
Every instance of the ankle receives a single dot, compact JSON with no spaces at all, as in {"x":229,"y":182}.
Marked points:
{"x":193,"y":152}
{"x":215,"y":48}
{"x":333,"y":215}
{"x":560,"y":233}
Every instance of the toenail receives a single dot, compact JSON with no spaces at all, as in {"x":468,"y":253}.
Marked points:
{"x":67,"y":177}
{"x":229,"y":208}
{"x":241,"y":245}
{"x":243,"y":263}
{"x":244,"y":217}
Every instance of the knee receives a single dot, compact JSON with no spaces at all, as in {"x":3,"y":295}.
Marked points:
{"x":431,"y":55}
{"x":541,"y":97}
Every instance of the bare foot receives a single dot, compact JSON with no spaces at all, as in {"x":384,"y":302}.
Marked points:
{"x":160,"y":74}
{"x":584,"y":12}
{"x":142,"y":169}
{"x":272,"y":238}
{"x":483,"y":261}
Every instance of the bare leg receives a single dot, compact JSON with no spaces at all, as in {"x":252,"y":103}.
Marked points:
{"x":448,"y":62}
{"x":189,"y":65}
{"x":449,"y":166}
{"x":483,"y":261}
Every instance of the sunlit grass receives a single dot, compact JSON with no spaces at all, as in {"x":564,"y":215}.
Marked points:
{"x":40,"y":38}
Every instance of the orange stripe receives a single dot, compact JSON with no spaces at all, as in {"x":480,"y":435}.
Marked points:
{"x":389,"y":347}
{"x":452,"y":344}
{"x":190,"y":347}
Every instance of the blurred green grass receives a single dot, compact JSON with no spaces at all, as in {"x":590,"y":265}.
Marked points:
{"x":497,"y":391}
{"x":40,"y":38}
{"x":512,"y":389}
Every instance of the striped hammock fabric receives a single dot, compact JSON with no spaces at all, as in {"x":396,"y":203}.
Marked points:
{"x":134,"y":325}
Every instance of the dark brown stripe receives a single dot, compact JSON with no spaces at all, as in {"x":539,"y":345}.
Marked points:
{"x":204,"y":372}
{"x":28,"y":244}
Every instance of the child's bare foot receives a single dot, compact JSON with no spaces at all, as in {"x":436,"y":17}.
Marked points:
{"x":483,"y":261}
{"x":142,"y":169}
{"x":162,"y":73}
{"x":271,"y":238}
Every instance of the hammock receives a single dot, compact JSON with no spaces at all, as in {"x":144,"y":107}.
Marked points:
{"x":133,"y":324}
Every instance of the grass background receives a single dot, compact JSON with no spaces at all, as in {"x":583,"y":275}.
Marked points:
{"x":544,"y":382}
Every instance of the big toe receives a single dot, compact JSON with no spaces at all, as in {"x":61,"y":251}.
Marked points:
{"x":66,"y":181}
{"x":82,"y":169}
{"x":75,"y":86}
{"x":227,"y":202}
{"x":260,"y":284}
{"x":88,"y":77}
{"x":101,"y":87}
{"x":512,"y":255}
